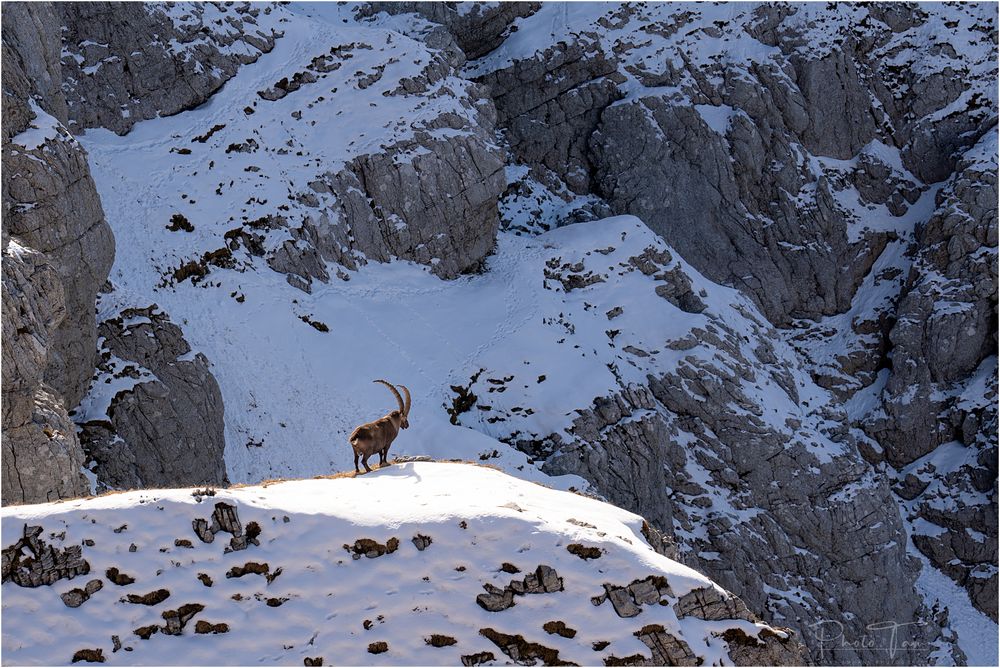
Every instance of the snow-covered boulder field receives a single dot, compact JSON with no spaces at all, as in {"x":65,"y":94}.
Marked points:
{"x":417,"y":563}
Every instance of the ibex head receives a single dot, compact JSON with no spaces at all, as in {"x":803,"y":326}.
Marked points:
{"x":402,"y":415}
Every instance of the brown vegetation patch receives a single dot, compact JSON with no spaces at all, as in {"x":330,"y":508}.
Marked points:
{"x":315,"y":324}
{"x":249,"y":567}
{"x":739,"y":637}
{"x":378,"y":647}
{"x":207,"y":627}
{"x":89,"y":655}
{"x":179,"y":222}
{"x":583,"y":551}
{"x":117,"y":577}
{"x":370,"y":548}
{"x":438,"y":640}
{"x":201,"y":139}
{"x":152,"y":598}
{"x":559,"y":628}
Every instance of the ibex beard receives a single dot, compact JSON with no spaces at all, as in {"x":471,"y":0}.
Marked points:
{"x":378,"y":435}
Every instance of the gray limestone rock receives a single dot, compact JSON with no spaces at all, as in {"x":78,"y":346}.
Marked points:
{"x":123,"y":63}
{"x":766,"y":649}
{"x":941,"y":393}
{"x":167,"y":428}
{"x":712,"y":604}
{"x":57,"y":252}
{"x":666,"y":649}
{"x":31,"y":562}
{"x":41,"y":458}
{"x":437,"y":208}
{"x":49,"y":198}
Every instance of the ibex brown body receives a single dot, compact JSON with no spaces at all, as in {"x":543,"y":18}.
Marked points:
{"x":378,"y":435}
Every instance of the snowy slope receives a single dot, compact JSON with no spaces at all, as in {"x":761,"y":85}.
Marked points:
{"x":315,"y":600}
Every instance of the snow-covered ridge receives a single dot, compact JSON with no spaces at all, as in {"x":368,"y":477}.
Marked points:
{"x":463,"y":564}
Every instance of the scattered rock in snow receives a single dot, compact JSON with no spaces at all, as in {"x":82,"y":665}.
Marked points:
{"x":30,"y":562}
{"x":627,"y":601}
{"x":177,"y":619}
{"x":74,"y":598}
{"x":226,"y":518}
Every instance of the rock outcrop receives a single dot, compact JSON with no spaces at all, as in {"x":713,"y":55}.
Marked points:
{"x":432,"y":201}
{"x":154,"y":417}
{"x":72,"y":66}
{"x":729,"y":447}
{"x":124,"y":63}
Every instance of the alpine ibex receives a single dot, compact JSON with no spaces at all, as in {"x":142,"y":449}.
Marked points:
{"x":377,"y":436}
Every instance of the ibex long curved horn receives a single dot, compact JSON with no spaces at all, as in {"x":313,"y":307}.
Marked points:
{"x":395,"y":393}
{"x":406,"y":410}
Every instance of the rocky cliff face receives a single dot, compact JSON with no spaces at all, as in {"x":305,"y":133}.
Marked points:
{"x":937,"y":419}
{"x":855,"y":215}
{"x":155,"y":415}
{"x":57,"y":253}
{"x":124,"y":63}
{"x":41,"y":454}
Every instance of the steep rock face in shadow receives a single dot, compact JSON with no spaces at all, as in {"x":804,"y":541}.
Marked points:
{"x":936,"y":422}
{"x":478,"y":28}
